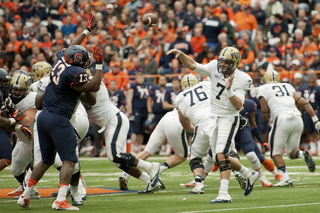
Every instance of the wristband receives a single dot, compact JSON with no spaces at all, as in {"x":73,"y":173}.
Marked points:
{"x":98,"y":66}
{"x":230,"y":93}
{"x":12,"y":121}
{"x":18,"y":127}
{"x":86,"y":32}
{"x":315,"y":119}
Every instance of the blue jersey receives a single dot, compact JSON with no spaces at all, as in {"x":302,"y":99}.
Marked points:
{"x":118,"y":98}
{"x":158,"y":97}
{"x":312,"y":96}
{"x":249,"y":107}
{"x":140,"y":95}
{"x":170,"y":95}
{"x":59,"y":97}
{"x":253,"y":92}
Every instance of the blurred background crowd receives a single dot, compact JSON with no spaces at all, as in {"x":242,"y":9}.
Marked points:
{"x":270,"y":34}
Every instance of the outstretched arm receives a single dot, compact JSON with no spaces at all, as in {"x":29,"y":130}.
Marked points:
{"x":186,"y":60}
{"x":235,"y":101}
{"x":90,"y":26}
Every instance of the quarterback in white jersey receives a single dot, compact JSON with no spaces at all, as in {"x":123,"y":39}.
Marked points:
{"x":278,"y":101}
{"x":116,"y":126}
{"x":228,"y":89}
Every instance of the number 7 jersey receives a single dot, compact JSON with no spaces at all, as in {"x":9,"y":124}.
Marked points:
{"x":194,"y":102}
{"x":279,"y":97}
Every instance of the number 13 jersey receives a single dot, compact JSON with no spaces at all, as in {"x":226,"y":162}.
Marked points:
{"x":220,"y":103}
{"x":279,"y":97}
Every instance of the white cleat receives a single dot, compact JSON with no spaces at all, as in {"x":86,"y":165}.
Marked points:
{"x":154,"y":173}
{"x":191,"y":184}
{"x":23,"y":202}
{"x":285,"y":182}
{"x":250,"y":183}
{"x":63,"y":205}
{"x":222,"y":198}
{"x":198,"y":188}
{"x":150,"y":189}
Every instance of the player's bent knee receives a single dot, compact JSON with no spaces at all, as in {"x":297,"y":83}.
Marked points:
{"x":124,"y":159}
{"x":15,"y":170}
{"x":196,"y":163}
{"x":252,"y":157}
{"x":224,"y":165}
{"x":76,"y":168}
{"x":234,"y":155}
{"x":75,"y":179}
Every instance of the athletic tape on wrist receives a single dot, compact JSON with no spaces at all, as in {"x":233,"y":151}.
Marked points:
{"x":86,"y":32}
{"x":230,"y":93}
{"x":98,"y":66}
{"x":12,"y":121}
{"x":315,"y":119}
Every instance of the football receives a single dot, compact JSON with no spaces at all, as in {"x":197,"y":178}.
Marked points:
{"x":150,"y":20}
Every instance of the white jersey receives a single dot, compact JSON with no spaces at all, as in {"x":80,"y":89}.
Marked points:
{"x":220,"y":103}
{"x":27,"y":102}
{"x":279,"y":97}
{"x":40,"y":86}
{"x":104,"y":109}
{"x":194,"y":102}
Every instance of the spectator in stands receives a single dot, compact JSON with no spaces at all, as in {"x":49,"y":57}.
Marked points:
{"x":273,"y":7}
{"x":209,"y":57}
{"x":68,"y":27}
{"x":227,"y":26}
{"x":25,"y":11}
{"x":315,"y":65}
{"x":189,"y":15}
{"x":259,"y":14}
{"x":302,"y":17}
{"x":24,"y":52}
{"x":233,"y":4}
{"x":181,"y":44}
{"x":148,"y":64}
{"x":179,"y":11}
{"x":246,"y":36}
{"x":161,"y":58}
{"x":197,"y":17}
{"x":51,"y":27}
{"x":287,"y":58}
{"x":14,"y":42}
{"x":307,"y":49}
{"x":221,"y":7}
{"x":247,"y":55}
{"x":116,"y":74}
{"x":25,"y":35}
{"x":284,"y":41}
{"x":244,"y":20}
{"x":211,"y":28}
{"x":132,"y":5}
{"x":8,"y":16}
{"x":279,"y":26}
{"x":109,"y":42}
{"x":203,"y":53}
{"x":278,"y":67}
{"x":289,"y":13}
{"x":162,"y":41}
{"x":54,"y":10}
{"x":38,"y":10}
{"x":272,"y":56}
{"x":145,"y":44}
{"x":169,"y":36}
{"x":222,"y":37}
{"x":266,"y":47}
{"x":297,"y":82}
{"x":294,"y":68}
{"x":136,"y":69}
{"x":46,"y":45}
{"x":59,"y":36}
{"x":261,"y":58}
{"x":197,"y":40}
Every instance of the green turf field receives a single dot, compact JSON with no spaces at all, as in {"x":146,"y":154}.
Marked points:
{"x":99,"y":172}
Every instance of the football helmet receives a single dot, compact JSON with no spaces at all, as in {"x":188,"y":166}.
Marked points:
{"x":79,"y":56}
{"x":271,"y":76}
{"x":4,"y":81}
{"x":40,"y":70}
{"x":19,"y":86}
{"x":188,"y":81}
{"x":232,"y":58}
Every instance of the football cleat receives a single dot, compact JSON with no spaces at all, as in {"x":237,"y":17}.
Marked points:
{"x":23,"y":202}
{"x":242,"y":182}
{"x":150,"y":189}
{"x":250,"y":182}
{"x":82,"y":188}
{"x":55,"y":194}
{"x":265,"y":182}
{"x":190,"y":184}
{"x":34,"y":195}
{"x":77,"y":201}
{"x":123,"y":182}
{"x":222,"y":198}
{"x":154,"y":173}
{"x":309,"y":161}
{"x":161,"y":183}
{"x":63,"y":205}
{"x":198,"y":189}
{"x":278,"y":177}
{"x":284,"y":182}
{"x":16,"y":192}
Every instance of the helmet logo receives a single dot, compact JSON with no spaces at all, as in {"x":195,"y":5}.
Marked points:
{"x":78,"y":58}
{"x":235,"y":55}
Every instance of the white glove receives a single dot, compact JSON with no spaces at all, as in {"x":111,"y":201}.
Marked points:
{"x":8,"y":103}
{"x":317,"y":126}
{"x":151,"y":116}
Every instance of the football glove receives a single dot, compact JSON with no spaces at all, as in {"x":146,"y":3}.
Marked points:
{"x":266,"y":146}
{"x":25,"y":131}
{"x":243,"y":122}
{"x":90,"y":25}
{"x":151,"y":116}
{"x":317,"y":126}
{"x":18,"y":115}
{"x":131,"y":118}
{"x":97,"y":54}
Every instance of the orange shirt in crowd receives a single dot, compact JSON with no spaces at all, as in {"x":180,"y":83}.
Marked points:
{"x":128,"y":65}
{"x":150,"y":49}
{"x":121,"y":78}
{"x":271,"y":59}
{"x":157,"y":57}
{"x":284,"y":74}
{"x":123,"y":2}
{"x":9,"y":4}
{"x":141,"y":34}
{"x":217,"y":12}
{"x":172,"y":30}
{"x":196,"y":43}
{"x":206,"y":60}
{"x":250,"y":55}
{"x":245,"y":22}
{"x":169,"y":37}
{"x":120,"y":25}
{"x":73,"y":19}
{"x":316,"y":32}
{"x":308,"y":52}
{"x":16,"y":46}
{"x":282,"y":49}
{"x":46,"y":46}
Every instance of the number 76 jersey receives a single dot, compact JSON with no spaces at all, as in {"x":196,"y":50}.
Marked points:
{"x":194,"y":102}
{"x":279,"y":97}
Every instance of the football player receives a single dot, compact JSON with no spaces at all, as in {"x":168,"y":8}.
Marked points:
{"x":278,"y":102}
{"x":228,"y":89}
{"x":117,"y":97}
{"x":137,"y":94}
{"x":69,"y":80}
{"x":193,"y":106}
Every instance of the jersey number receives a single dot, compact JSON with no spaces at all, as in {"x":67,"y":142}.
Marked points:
{"x":280,"y":92}
{"x":160,"y":96}
{"x":56,"y":77}
{"x":221,"y":91}
{"x":198,"y":94}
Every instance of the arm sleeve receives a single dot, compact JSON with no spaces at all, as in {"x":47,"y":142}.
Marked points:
{"x":203,"y":70}
{"x":256,"y":133}
{"x":79,"y":78}
{"x":240,"y":93}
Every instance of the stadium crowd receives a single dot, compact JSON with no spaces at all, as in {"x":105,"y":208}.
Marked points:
{"x":270,"y":34}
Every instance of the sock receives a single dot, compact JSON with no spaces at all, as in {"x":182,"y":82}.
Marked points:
{"x":62,"y":193}
{"x":32,"y":182}
{"x":215,"y":168}
{"x":28,"y":190}
{"x":313,"y":146}
{"x":168,"y":149}
{"x":208,"y":164}
{"x":318,"y":144}
{"x":144,"y":177}
{"x":260,"y":172}
{"x":75,"y":190}
{"x":268,"y":165}
{"x":283,"y":172}
{"x":306,"y":146}
{"x":299,"y":154}
{"x":198,"y":179}
{"x":163,"y":167}
{"x":133,"y":147}
{"x":144,"y":165}
{"x":245,"y":172}
{"x":224,"y":185}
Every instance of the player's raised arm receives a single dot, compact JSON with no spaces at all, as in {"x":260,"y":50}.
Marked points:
{"x":186,"y":60}
{"x":90,"y":26}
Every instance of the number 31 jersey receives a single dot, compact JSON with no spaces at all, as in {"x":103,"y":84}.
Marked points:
{"x":59,"y":97}
{"x":279,"y":97}
{"x":194,"y":102}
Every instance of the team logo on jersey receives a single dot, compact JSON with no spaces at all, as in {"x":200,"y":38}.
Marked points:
{"x":78,"y":58}
{"x":216,"y":76}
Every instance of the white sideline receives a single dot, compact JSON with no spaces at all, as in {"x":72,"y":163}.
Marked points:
{"x":259,"y":207}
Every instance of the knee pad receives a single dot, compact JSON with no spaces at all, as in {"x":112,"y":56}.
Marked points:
{"x":76,"y":168}
{"x":252,"y":157}
{"x":234,"y":155}
{"x":75,"y":178}
{"x":124,"y":159}
{"x":196,"y":163}
{"x":225,"y":164}
{"x":122,"y":167}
